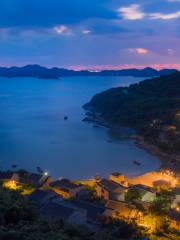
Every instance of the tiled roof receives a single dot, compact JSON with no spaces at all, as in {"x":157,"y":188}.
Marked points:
{"x":93,"y":210}
{"x":64,"y":184}
{"x":110,"y":185}
{"x":144,"y":187}
{"x":122,"y":208}
{"x":54,"y":210}
{"x":118,"y":206}
{"x":42,"y":196}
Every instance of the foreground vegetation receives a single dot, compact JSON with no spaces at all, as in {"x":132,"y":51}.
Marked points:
{"x":21,"y":219}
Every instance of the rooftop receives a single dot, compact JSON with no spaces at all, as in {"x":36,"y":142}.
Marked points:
{"x":122,"y":208}
{"x":144,"y":187}
{"x":42,"y":196}
{"x":55,"y":210}
{"x":110,"y":185}
{"x":118,"y":206}
{"x":64,"y":184}
{"x":93,"y":210}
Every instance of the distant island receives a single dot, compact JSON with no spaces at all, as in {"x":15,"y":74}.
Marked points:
{"x":152,"y":107}
{"x":55,"y":73}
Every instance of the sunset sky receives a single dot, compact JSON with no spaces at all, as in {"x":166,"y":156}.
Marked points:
{"x":92,"y":34}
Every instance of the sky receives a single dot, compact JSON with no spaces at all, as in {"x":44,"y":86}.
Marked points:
{"x":90,"y":34}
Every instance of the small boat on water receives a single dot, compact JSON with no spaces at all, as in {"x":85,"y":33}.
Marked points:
{"x":65,"y":117}
{"x":137,"y":163}
{"x":14,"y":166}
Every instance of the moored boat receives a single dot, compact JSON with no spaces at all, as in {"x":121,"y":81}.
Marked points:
{"x":137,"y":163}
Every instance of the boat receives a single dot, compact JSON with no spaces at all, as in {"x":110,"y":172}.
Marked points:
{"x":14,"y":166}
{"x":137,"y":163}
{"x":96,"y":126}
{"x":65,"y":117}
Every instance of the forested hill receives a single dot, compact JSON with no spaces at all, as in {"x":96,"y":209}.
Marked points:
{"x":140,"y":103}
{"x":151,"y":104}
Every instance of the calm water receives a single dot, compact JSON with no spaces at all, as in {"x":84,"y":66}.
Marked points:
{"x":33,"y":131}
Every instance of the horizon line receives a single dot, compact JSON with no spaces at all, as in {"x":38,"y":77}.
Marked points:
{"x":102,"y":67}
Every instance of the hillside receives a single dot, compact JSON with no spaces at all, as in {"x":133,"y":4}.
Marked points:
{"x":152,"y":107}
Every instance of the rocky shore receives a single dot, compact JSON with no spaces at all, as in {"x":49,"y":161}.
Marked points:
{"x":93,"y":117}
{"x":168,"y":161}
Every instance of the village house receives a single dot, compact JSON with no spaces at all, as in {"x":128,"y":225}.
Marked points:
{"x":42,"y":197}
{"x":9,"y":179}
{"x":118,"y":178}
{"x":147,"y":194}
{"x":53,"y":206}
{"x":70,"y":214}
{"x":38,"y":180}
{"x":117,"y":209}
{"x":110,"y":190}
{"x":66,"y":188}
{"x":94,"y":211}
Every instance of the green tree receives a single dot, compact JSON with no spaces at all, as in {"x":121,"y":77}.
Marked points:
{"x":162,"y":203}
{"x":159,"y":209}
{"x":132,"y":194}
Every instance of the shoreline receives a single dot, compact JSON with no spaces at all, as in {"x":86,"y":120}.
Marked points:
{"x":167,"y":161}
{"x":170,"y":161}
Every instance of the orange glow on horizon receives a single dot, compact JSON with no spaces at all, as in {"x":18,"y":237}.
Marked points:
{"x":125,"y":66}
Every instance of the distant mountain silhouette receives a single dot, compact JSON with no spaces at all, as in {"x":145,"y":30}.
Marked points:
{"x":55,"y":73}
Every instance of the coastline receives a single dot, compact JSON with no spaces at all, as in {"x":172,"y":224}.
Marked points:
{"x":168,"y":161}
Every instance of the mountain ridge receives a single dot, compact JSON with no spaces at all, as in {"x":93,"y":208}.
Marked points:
{"x":38,"y":71}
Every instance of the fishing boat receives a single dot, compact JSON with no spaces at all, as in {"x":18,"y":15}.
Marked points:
{"x":14,"y":166}
{"x":137,"y":163}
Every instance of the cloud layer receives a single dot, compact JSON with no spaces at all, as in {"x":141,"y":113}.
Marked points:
{"x":91,"y":32}
{"x":135,"y":12}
